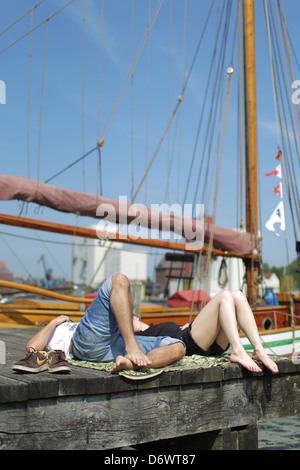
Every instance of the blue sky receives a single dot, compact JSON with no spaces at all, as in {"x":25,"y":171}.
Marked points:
{"x":70,"y":110}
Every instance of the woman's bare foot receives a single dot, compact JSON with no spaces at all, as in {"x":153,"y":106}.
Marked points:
{"x":122,"y":363}
{"x":263,"y":357}
{"x":244,"y":360}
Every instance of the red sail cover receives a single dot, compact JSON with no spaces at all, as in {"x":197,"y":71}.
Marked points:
{"x":85,"y":204}
{"x":184,"y":298}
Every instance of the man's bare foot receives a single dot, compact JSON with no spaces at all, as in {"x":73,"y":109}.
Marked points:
{"x":122,"y":363}
{"x":244,"y":360}
{"x":263,"y":357}
{"x":138,"y":358}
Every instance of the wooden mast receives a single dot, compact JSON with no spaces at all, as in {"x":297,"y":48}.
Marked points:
{"x":250,"y":137}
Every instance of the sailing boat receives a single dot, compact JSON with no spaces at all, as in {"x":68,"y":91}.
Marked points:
{"x":218,"y":241}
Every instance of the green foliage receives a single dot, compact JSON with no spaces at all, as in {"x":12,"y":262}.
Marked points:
{"x":283,"y":273}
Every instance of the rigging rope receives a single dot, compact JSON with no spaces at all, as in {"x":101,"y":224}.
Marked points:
{"x":167,"y":198}
{"x":100,"y":68}
{"x":41,"y":103}
{"x":130,"y":72}
{"x":99,"y":162}
{"x":82,"y":95}
{"x":228,"y":91}
{"x":147,"y":97}
{"x":70,"y":165}
{"x":177,"y":104}
{"x":272,"y":39}
{"x":181,"y":105}
{"x":36,"y":27}
{"x":201,"y":115}
{"x":113,"y":111}
{"x":240,"y":134}
{"x":207,"y":189}
{"x":28,"y":97}
{"x":16,"y":256}
{"x":132,"y":100}
{"x":21,"y":17}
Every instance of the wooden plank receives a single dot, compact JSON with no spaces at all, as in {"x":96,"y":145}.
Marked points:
{"x":44,"y":292}
{"x":33,"y":304}
{"x":106,"y":421}
{"x":94,"y":234}
{"x":90,"y":409}
{"x":23,"y":316}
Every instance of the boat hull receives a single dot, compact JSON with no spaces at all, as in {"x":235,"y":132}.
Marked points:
{"x":273,"y":323}
{"x":281,"y":342}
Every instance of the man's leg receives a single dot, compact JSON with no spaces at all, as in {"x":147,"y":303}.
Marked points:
{"x":159,"y":357}
{"x":121,"y":305}
{"x":218,"y":322}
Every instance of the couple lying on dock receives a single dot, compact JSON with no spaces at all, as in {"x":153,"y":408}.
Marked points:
{"x":109,"y":332}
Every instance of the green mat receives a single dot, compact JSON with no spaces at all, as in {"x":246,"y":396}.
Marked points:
{"x":186,"y":363}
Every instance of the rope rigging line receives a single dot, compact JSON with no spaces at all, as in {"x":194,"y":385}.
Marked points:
{"x":71,"y":164}
{"x":132,"y":100}
{"x":56,"y":242}
{"x":147,"y":97}
{"x":282,"y":121}
{"x":41,"y":103}
{"x":219,"y":148}
{"x":130,"y":72}
{"x":120,"y":96}
{"x":20,"y":17}
{"x":181,"y":105}
{"x":177,"y":104}
{"x":16,"y":256}
{"x":207,"y":189}
{"x":274,"y":40}
{"x":293,"y":117}
{"x":240,"y":134}
{"x":82,"y":93}
{"x":168,"y":123}
{"x":288,"y":72}
{"x":51,"y":254}
{"x":225,"y":111}
{"x":267,"y":28}
{"x":28,"y":97}
{"x":36,"y":26}
{"x":99,"y":161}
{"x":203,"y":108}
{"x":167,"y":198}
{"x":287,"y":43}
{"x":100,"y":68}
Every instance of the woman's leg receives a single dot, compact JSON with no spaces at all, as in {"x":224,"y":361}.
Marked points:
{"x":246,"y":321}
{"x":218,"y":322}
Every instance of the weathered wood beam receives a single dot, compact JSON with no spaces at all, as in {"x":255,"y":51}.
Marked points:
{"x":117,"y":237}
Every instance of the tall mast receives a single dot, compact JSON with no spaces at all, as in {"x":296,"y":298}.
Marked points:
{"x":250,"y":136}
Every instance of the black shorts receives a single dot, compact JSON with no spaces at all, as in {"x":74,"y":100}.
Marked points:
{"x":193,"y":348}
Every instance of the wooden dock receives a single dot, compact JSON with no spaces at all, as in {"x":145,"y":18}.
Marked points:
{"x":214,"y":408}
